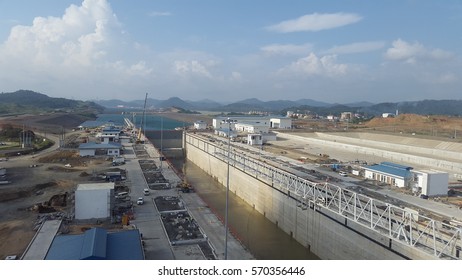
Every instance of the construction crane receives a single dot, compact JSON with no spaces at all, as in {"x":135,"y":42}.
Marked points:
{"x":138,"y":139}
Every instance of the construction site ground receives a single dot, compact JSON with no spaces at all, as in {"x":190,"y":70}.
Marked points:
{"x":37,"y":178}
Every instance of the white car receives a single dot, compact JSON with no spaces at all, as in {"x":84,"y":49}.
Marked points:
{"x":140,"y":201}
{"x":342,"y":173}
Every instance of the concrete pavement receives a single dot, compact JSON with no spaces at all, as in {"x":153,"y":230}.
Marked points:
{"x":148,"y":220}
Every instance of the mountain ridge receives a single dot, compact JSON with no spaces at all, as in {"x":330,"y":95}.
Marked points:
{"x":31,"y":101}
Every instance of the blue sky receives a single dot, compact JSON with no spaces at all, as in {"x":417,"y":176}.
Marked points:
{"x":332,"y":51}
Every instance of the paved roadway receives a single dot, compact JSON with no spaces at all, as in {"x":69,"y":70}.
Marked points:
{"x":148,"y":221}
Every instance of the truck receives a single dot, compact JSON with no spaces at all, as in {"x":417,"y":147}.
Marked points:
{"x":118,"y":161}
{"x":114,"y":176}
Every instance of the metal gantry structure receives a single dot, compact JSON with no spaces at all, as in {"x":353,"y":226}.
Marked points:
{"x":433,"y":237}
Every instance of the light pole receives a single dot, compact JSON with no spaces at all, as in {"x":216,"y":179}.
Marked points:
{"x":161,"y":139}
{"x":227,"y":192}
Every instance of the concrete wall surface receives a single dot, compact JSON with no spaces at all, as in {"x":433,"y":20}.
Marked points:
{"x":323,"y":232}
{"x":92,"y":204}
{"x":409,"y":156}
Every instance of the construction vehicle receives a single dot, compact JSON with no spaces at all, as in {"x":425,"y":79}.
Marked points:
{"x":185,"y":187}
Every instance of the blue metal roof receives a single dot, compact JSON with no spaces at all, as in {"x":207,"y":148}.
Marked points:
{"x":395,"y":165}
{"x":93,"y":145}
{"x":391,"y":169}
{"x":97,"y":244}
{"x":94,"y":244}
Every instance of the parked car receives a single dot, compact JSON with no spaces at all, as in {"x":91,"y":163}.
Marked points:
{"x":140,"y":201}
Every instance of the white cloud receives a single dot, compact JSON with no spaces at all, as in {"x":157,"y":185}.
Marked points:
{"x":79,"y":53}
{"x":79,"y":37}
{"x":359,"y":47}
{"x":191,"y":68}
{"x":313,"y":65}
{"x":287,"y":49}
{"x":410,"y":52}
{"x":139,"y":68}
{"x":315,"y":22}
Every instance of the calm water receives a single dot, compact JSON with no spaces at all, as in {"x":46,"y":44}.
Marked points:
{"x":263,"y":238}
{"x":152,"y":122}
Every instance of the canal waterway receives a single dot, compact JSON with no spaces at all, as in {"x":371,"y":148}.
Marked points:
{"x":259,"y":235}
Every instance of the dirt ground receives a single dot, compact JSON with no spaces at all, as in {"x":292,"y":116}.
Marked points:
{"x":35,"y":179}
{"x":39,"y":183}
{"x":36,"y":183}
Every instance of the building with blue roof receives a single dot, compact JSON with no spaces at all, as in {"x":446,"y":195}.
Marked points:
{"x":390,"y":173}
{"x":92,"y":148}
{"x":97,"y":244}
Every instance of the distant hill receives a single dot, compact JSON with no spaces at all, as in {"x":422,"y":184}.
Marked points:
{"x":313,"y":103}
{"x":27,"y":101}
{"x":424,"y":107}
{"x":175,"y":102}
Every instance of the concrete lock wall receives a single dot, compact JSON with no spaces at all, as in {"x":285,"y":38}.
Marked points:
{"x":323,"y":232}
{"x":452,"y":167}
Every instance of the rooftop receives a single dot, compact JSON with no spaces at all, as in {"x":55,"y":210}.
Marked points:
{"x":97,"y":244}
{"x":94,"y":145}
{"x":95,"y":186}
{"x":391,"y":169}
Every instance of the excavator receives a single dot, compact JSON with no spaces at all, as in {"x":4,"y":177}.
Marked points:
{"x":185,"y":187}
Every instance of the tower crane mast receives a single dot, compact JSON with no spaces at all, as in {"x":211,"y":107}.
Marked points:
{"x":138,"y":140}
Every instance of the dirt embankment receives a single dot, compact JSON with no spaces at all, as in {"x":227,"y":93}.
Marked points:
{"x":429,"y":126}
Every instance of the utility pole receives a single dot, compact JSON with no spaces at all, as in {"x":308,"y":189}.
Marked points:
{"x":227,"y":191}
{"x":161,"y":141}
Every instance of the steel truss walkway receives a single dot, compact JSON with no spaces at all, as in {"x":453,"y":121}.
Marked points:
{"x":433,"y":237}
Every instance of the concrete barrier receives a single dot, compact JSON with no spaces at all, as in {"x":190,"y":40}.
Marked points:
{"x":324,"y":233}
{"x":407,"y":155}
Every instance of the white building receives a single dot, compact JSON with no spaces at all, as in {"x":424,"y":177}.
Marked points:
{"x":91,"y":149}
{"x":388,"y":115}
{"x":222,"y":122}
{"x":390,"y":173}
{"x":252,"y":127}
{"x":94,"y":201}
{"x":225,"y":132}
{"x":200,"y":125}
{"x":254,"y":139}
{"x":346,"y":116}
{"x":110,"y":134}
{"x":431,"y":182}
{"x":282,"y":123}
{"x":332,"y":118}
